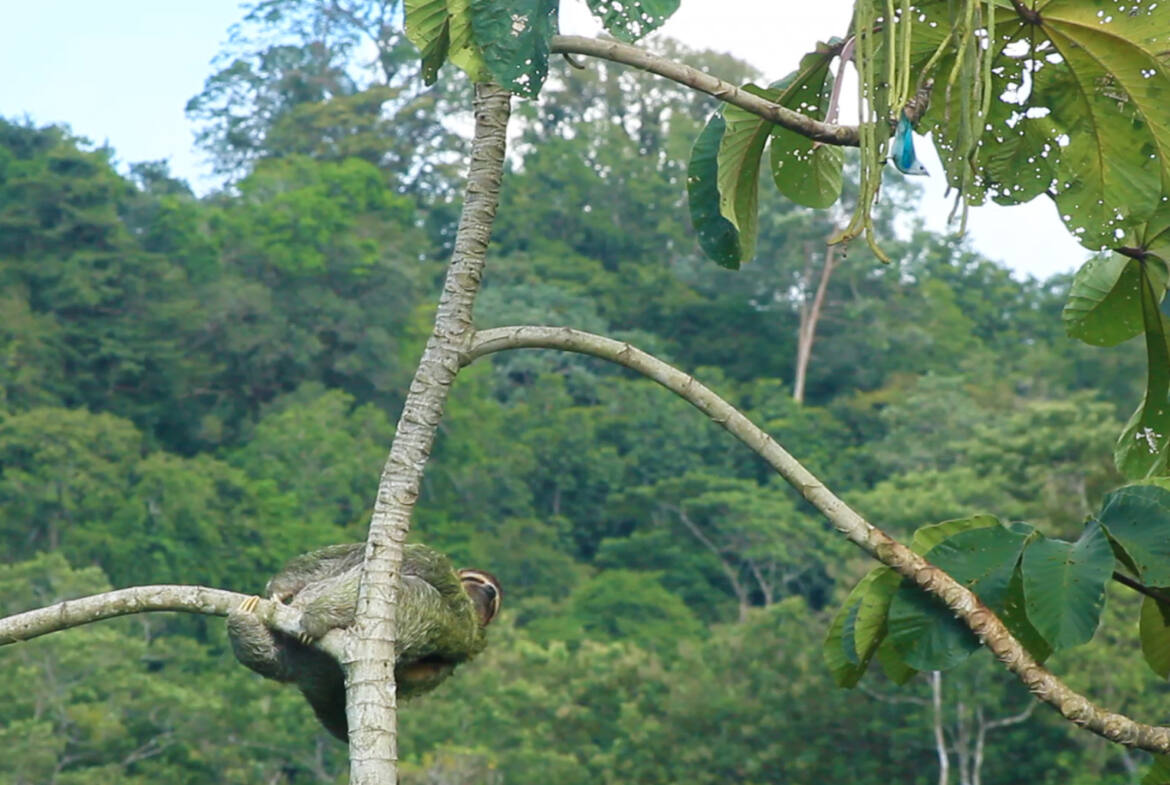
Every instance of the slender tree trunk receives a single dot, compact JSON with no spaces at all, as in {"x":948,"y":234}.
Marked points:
{"x":940,"y":739}
{"x":369,"y":660}
{"x":809,"y":316}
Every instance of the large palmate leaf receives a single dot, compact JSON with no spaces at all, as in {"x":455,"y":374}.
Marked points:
{"x":1104,"y":304}
{"x":717,"y":236}
{"x":1064,"y":585}
{"x":1141,"y":450}
{"x":921,"y":628}
{"x":926,"y":537}
{"x":513,"y":36}
{"x":1109,"y":94}
{"x":629,"y":20}
{"x":807,"y":173}
{"x":1137,"y":520}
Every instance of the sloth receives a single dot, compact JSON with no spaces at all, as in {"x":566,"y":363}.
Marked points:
{"x":442,"y":613}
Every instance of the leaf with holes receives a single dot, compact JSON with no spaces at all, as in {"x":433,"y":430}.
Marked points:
{"x":1107,"y":84}
{"x":629,"y":20}
{"x":513,"y":36}
{"x":1064,"y":585}
{"x":1023,"y":162}
{"x":807,"y":173}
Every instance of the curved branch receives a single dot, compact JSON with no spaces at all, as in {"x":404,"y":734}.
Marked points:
{"x":142,"y":599}
{"x":842,"y":135}
{"x":977,"y":616}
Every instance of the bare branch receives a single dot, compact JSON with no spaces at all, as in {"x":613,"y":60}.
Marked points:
{"x":143,"y":599}
{"x":615,"y":51}
{"x":966,"y":606}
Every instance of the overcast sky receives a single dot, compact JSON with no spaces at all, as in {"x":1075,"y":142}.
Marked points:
{"x":120,"y":72}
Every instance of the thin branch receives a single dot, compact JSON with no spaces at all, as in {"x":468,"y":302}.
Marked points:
{"x":1141,"y":588}
{"x":960,"y":600}
{"x":143,"y":599}
{"x":841,"y":135}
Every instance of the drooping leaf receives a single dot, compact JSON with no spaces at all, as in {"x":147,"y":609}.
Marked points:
{"x":807,"y":173}
{"x":923,"y":630}
{"x":629,"y":20}
{"x":740,"y":152}
{"x":1064,"y":585}
{"x":1104,"y":304}
{"x":513,"y":36}
{"x":1137,"y":520}
{"x":839,"y":649}
{"x":870,"y":628}
{"x":850,"y":643}
{"x":1155,"y":635}
{"x":463,"y":51}
{"x":428,"y":28}
{"x":717,"y":236}
{"x":1141,"y":449}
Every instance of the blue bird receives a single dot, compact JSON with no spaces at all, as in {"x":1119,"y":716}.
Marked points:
{"x":902,"y":150}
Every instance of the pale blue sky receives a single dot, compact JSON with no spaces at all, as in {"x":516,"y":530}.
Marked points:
{"x":121,"y":71}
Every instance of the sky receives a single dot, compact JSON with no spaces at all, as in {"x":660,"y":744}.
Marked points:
{"x":120,"y":73}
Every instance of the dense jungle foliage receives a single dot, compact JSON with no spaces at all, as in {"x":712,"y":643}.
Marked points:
{"x":195,"y":389}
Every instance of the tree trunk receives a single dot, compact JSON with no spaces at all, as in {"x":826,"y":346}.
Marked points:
{"x":807,"y":332}
{"x":369,"y":662}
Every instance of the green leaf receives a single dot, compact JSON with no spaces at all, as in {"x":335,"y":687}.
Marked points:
{"x":870,"y":628}
{"x":1014,"y":615}
{"x":929,"y":536}
{"x":1024,"y":160}
{"x":513,"y":36}
{"x":464,"y":52}
{"x":893,"y":665}
{"x":740,"y":153}
{"x":1064,"y":585}
{"x":1137,"y":519}
{"x":923,"y":630}
{"x":1141,"y":448}
{"x":1155,"y":635}
{"x":1105,"y":302}
{"x":839,"y":650}
{"x":851,"y":641}
{"x":629,"y":20}
{"x":717,"y":236}
{"x":428,"y":28}
{"x":807,"y":173}
{"x":1109,"y":95}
